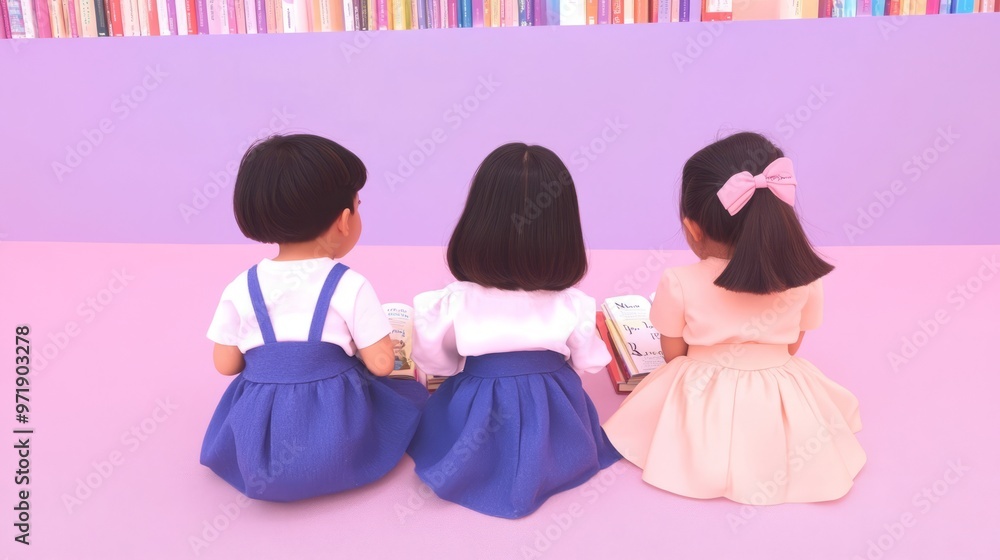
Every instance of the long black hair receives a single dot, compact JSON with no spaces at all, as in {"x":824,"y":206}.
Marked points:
{"x":770,"y":251}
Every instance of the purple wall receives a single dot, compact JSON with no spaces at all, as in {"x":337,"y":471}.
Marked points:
{"x":852,"y":101}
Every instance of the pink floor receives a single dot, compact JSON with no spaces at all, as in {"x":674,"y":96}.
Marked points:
{"x":929,"y":490}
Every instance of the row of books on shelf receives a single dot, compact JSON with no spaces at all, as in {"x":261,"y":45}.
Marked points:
{"x":129,"y":18}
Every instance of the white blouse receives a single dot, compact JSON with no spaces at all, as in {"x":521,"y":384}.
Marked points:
{"x":290,"y":289}
{"x":466,"y":319}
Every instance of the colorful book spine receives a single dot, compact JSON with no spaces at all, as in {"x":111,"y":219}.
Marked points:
{"x":28,"y":15}
{"x":628,"y":9}
{"x":43,"y":26}
{"x":143,"y":16}
{"x":362,"y":9}
{"x":201,"y":16}
{"x":289,"y":16}
{"x":573,"y":12}
{"x":465,"y":12}
{"x":551,"y":12}
{"x":844,"y":8}
{"x":933,"y":7}
{"x":452,"y":13}
{"x":478,"y":6}
{"x":239,"y":12}
{"x":372,"y":11}
{"x":15,"y":20}
{"x":963,"y":6}
{"x":878,"y":7}
{"x":4,"y":21}
{"x":398,"y":14}
{"x":259,"y":16}
{"x":685,"y":11}
{"x":641,"y":11}
{"x":864,"y":8}
{"x":529,"y":13}
{"x":113,"y":9}
{"x":180,"y":17}
{"x":250,"y":16}
{"x":715,"y":10}
{"x":590,"y":12}
{"x":945,"y":7}
{"x":663,"y":11}
{"x":617,"y":12}
{"x":230,"y":20}
{"x":72,"y":23}
{"x":603,"y":12}
{"x":101,"y":18}
{"x":348,"y":8}
{"x":85,"y":15}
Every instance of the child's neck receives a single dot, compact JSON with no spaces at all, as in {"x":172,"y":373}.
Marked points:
{"x":313,"y":249}
{"x":714,"y":249}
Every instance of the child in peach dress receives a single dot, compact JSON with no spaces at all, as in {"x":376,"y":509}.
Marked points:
{"x":733,"y":413}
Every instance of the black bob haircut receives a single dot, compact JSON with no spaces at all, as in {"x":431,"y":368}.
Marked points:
{"x":520,"y":229}
{"x":292,"y":188}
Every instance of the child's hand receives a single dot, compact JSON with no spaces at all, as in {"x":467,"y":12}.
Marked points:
{"x":379,"y":357}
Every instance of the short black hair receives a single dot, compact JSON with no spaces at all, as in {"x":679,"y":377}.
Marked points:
{"x":292,"y":188}
{"x":520,"y":229}
{"x":770,"y":250}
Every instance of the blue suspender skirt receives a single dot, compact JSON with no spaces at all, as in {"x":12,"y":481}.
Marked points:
{"x":305,"y":419}
{"x":508,"y":432}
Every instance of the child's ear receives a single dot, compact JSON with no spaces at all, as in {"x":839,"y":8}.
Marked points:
{"x":693,"y":229}
{"x":343,"y":223}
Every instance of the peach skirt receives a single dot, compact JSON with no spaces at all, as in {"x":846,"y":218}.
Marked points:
{"x":746,"y":422}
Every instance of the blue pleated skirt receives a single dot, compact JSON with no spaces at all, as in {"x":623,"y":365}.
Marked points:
{"x":304,"y":420}
{"x":508,"y":432}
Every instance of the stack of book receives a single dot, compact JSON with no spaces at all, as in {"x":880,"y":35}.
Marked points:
{"x":400,"y":318}
{"x":130,"y":18}
{"x":634,"y":344}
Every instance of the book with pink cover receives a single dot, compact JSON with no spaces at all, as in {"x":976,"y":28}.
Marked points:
{"x":42,"y":21}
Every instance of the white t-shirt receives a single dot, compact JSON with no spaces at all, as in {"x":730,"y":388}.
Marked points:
{"x":290,"y":289}
{"x":466,"y":319}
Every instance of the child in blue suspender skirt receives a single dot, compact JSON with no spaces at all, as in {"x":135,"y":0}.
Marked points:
{"x":512,"y":425}
{"x":310,"y":413}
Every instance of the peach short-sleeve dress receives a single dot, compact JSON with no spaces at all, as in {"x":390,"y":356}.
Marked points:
{"x":738,"y":416}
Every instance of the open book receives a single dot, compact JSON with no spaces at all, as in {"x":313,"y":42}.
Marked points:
{"x":400,"y":318}
{"x":633,"y":342}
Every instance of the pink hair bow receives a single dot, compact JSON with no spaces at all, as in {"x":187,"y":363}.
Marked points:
{"x":778,"y":176}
